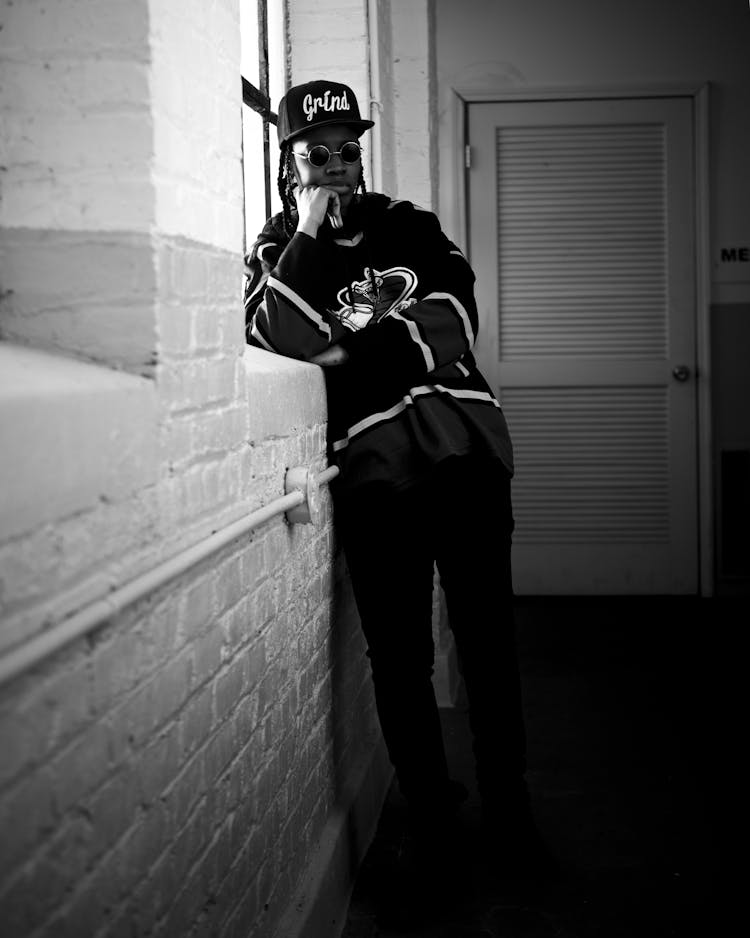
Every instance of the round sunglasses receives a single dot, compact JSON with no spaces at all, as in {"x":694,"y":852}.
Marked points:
{"x":319,"y":156}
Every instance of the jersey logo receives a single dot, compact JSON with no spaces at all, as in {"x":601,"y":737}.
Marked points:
{"x":393,"y":293}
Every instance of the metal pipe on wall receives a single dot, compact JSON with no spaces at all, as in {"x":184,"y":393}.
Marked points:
{"x":86,"y":620}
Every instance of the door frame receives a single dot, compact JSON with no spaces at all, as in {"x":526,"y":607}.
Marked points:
{"x":458,"y":221}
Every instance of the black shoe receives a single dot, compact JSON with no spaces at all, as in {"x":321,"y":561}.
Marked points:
{"x":457,"y":793}
{"x":430,"y":814}
{"x":513,"y":845}
{"x":428,"y":881}
{"x":431,"y":847}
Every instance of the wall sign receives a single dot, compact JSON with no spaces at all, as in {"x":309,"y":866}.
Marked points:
{"x":735,"y":255}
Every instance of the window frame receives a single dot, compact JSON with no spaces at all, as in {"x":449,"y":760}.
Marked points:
{"x":259,"y":100}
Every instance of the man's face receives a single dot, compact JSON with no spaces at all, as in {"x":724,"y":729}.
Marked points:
{"x":336,"y":175}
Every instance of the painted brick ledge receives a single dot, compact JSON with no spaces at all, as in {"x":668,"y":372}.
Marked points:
{"x":321,"y":902}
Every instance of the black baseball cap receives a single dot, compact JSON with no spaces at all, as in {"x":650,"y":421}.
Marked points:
{"x":315,"y":104}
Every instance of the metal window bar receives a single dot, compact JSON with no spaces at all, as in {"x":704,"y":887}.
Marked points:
{"x":259,"y":99}
{"x":265,"y":91}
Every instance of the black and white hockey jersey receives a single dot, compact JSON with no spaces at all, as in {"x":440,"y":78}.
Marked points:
{"x":398,"y":295}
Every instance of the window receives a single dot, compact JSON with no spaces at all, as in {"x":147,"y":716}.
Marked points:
{"x":262,"y":71}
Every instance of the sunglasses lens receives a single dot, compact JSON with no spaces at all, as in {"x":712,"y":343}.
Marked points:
{"x":350,"y":152}
{"x":318,"y":156}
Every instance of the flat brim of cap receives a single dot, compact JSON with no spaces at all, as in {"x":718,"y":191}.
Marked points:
{"x":360,"y":125}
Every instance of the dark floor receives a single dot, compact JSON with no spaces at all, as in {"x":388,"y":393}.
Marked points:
{"x":637,"y":776}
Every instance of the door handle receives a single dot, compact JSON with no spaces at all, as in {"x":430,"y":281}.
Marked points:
{"x":680,"y":372}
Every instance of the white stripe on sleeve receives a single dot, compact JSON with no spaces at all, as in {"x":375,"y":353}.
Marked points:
{"x":417,"y":339}
{"x":462,"y":314}
{"x":255,"y":333}
{"x":258,"y":287}
{"x":302,"y":305}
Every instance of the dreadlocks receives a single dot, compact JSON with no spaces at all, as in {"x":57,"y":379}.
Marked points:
{"x":287,"y":182}
{"x":286,"y":186}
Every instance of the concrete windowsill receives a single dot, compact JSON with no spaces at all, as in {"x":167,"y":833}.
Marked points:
{"x":282,"y":393}
{"x":72,"y":434}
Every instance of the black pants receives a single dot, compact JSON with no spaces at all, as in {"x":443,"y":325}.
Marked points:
{"x":460,"y":519}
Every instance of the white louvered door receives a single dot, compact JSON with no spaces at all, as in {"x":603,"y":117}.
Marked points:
{"x":582,"y":238}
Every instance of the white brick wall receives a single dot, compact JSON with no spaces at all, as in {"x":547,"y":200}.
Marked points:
{"x":77,"y":197}
{"x":385,"y":177}
{"x":413,"y":101}
{"x":185,"y":749}
{"x":330,"y":39}
{"x":75,"y":101}
{"x":195,"y":53}
{"x":175,"y":771}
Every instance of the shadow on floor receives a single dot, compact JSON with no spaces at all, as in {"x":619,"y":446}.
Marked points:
{"x":631,"y":707}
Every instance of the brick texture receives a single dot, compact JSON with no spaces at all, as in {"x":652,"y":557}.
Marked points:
{"x":186,"y":755}
{"x":172,"y":772}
